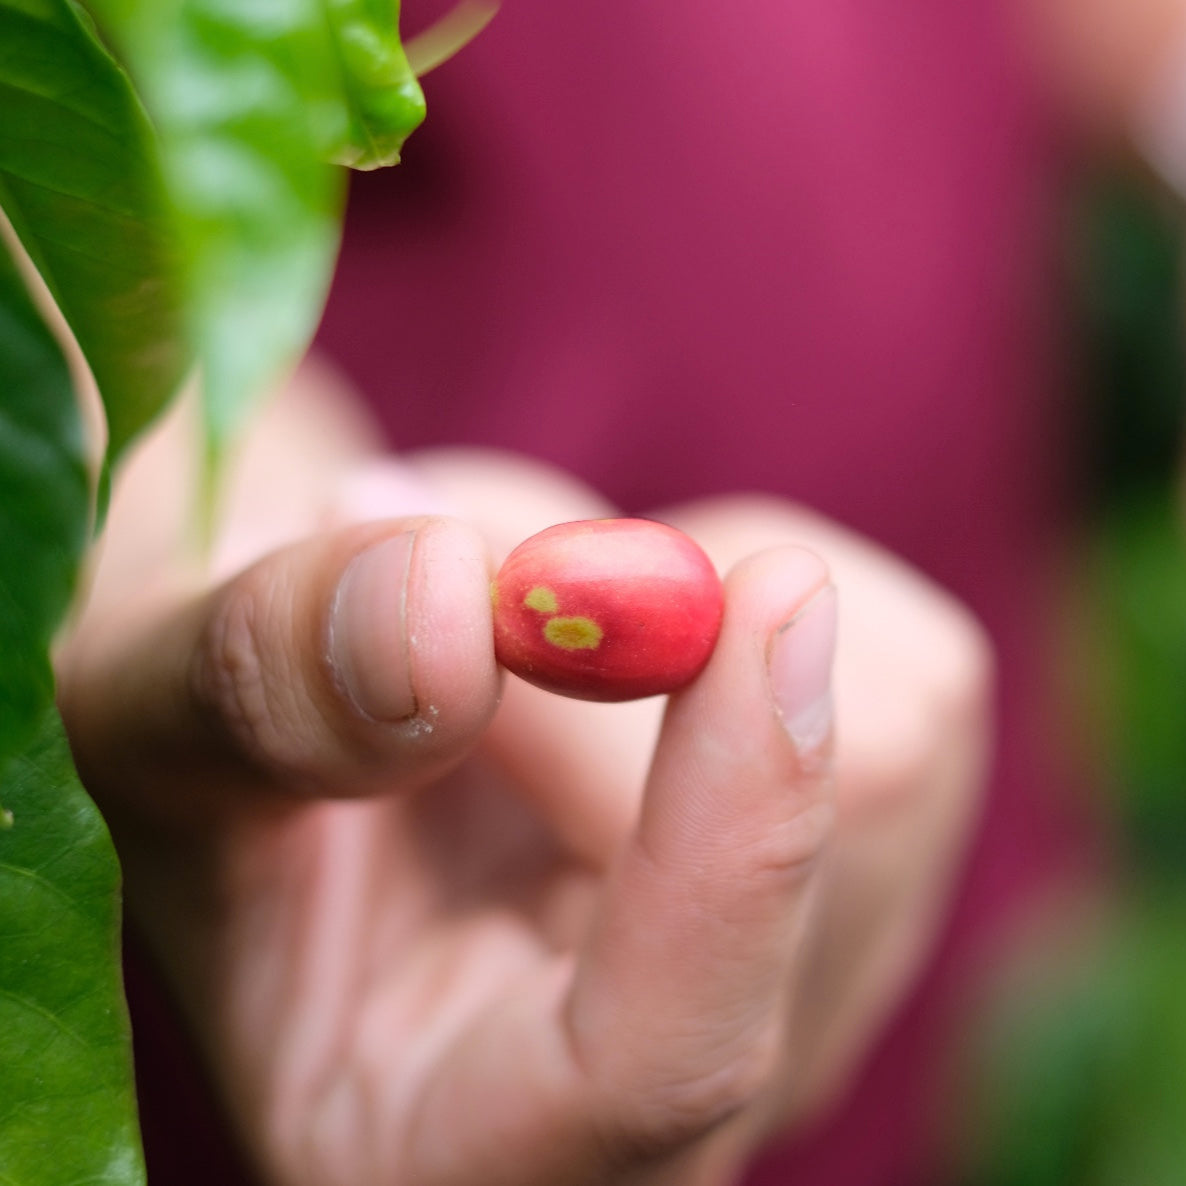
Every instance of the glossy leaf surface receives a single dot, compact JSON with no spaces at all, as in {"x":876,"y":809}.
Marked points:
{"x":81,"y":184}
{"x":384,"y":103}
{"x":67,"y":1111}
{"x":44,"y":506}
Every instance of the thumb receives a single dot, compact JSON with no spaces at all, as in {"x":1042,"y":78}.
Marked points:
{"x":678,"y":1005}
{"x":349,"y":663}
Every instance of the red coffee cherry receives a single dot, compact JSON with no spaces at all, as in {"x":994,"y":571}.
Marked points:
{"x":607,"y":609}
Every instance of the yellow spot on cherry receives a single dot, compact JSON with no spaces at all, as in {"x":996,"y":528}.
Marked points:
{"x":541,"y":598}
{"x":573,"y":634}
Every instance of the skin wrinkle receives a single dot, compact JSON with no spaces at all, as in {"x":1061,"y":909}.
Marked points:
{"x":333,"y":1063}
{"x":220,"y":672}
{"x":467,"y":1021}
{"x":798,"y":839}
{"x":682,"y":1106}
{"x":257,"y":707}
{"x":661,"y":1111}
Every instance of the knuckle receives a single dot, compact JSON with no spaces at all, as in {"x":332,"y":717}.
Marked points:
{"x":239,"y":681}
{"x":669,"y":1108}
{"x":789,"y":851}
{"x":703,"y":1102}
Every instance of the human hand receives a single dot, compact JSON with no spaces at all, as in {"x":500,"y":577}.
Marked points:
{"x":423,"y":941}
{"x":1116,"y":66}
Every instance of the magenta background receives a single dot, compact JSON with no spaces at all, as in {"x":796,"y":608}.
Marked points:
{"x":683,"y":247}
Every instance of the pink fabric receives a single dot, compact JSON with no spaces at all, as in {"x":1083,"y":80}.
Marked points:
{"x":801,"y":246}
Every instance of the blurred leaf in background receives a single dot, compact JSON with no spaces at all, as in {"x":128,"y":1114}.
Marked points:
{"x":1081,"y":1072}
{"x":1137,"y":573}
{"x":252,"y":101}
{"x":1132,"y":301}
{"x":80,"y":182}
{"x":1077,"y":1065}
{"x":1125,"y":249}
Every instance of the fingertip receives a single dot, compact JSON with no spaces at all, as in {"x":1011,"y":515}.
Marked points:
{"x":774,"y":658}
{"x":410,"y":626}
{"x":772,"y":586}
{"x":741,"y":780}
{"x":357,"y":662}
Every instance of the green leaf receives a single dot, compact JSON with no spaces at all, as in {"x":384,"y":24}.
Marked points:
{"x":80,"y":182}
{"x":1135,"y":666}
{"x":259,"y":208}
{"x":44,"y":506}
{"x":385,"y":103}
{"x":252,"y":98}
{"x":67,"y":1109}
{"x":1081,"y":1060}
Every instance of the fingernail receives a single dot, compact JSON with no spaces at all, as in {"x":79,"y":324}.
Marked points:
{"x":800,"y":668}
{"x":368,"y":638}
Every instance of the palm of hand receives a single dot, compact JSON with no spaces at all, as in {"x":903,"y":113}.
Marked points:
{"x":388,"y":932}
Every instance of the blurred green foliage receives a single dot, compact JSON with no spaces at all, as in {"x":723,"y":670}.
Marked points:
{"x":1079,"y":1065}
{"x":1081,"y":1071}
{"x":1125,"y":250}
{"x":1131,"y":301}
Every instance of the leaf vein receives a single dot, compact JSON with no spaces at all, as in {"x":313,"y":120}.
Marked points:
{"x":40,"y":880}
{"x":84,"y":199}
{"x":35,"y":1007}
{"x":57,"y":99}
